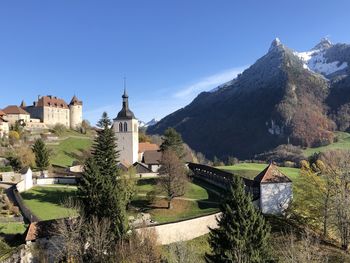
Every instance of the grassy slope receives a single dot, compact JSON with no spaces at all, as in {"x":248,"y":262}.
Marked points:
{"x":343,"y":143}
{"x":72,"y":143}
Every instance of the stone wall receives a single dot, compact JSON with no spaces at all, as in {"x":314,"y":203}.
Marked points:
{"x":275,"y":198}
{"x":184,"y":230}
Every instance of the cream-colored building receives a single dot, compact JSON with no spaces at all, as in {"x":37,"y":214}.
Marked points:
{"x":16,"y":114}
{"x":126,"y":128}
{"x":51,"y":110}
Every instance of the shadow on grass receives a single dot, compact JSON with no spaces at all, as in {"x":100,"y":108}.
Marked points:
{"x":146,"y":181}
{"x":144,"y":205}
{"x":49,"y":195}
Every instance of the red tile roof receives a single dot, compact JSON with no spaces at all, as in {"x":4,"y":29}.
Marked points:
{"x":146,"y":146}
{"x":51,"y":101}
{"x":2,"y":113}
{"x":271,"y":174}
{"x":13,"y":109}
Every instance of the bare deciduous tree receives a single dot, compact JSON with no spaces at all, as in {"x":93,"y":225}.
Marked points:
{"x":305,"y":250}
{"x":172,"y":176}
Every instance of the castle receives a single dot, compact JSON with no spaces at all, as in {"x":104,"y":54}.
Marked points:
{"x":46,"y":112}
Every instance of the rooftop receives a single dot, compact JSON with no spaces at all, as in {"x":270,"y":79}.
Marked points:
{"x":271,"y":174}
{"x":13,"y":109}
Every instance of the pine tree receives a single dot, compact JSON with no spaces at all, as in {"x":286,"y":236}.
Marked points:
{"x":242,"y":235}
{"x":172,"y":141}
{"x":42,"y":155}
{"x":99,"y":190}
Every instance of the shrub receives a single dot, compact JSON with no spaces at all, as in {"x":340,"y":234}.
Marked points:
{"x":6,"y":169}
{"x":59,"y":129}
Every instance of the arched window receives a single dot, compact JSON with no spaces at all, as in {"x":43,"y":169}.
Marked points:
{"x":125,"y":127}
{"x":120,"y":126}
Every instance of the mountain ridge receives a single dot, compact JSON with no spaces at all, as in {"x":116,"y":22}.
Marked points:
{"x":276,"y":100}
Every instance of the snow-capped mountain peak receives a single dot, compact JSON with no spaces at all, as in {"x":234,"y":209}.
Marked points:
{"x":146,"y":124}
{"x":325,"y":43}
{"x":316,"y":60}
{"x":275,"y":43}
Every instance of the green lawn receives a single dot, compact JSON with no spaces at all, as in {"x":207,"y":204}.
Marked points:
{"x":69,"y":150}
{"x":46,"y":202}
{"x":343,"y":143}
{"x":195,"y":190}
{"x":12,"y":228}
{"x":250,"y":170}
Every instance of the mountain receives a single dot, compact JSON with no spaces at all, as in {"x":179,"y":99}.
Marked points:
{"x":147,"y":124}
{"x":284,"y":97}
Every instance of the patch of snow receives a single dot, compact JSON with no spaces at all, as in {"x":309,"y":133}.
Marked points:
{"x":315,"y":61}
{"x":226,"y":84}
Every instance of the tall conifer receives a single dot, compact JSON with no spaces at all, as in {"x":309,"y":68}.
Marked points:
{"x":243,"y":234}
{"x":100,"y":190}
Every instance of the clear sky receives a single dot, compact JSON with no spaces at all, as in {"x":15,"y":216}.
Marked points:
{"x":169,"y":51}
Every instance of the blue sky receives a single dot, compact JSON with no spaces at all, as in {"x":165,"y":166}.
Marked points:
{"x":168,"y":50}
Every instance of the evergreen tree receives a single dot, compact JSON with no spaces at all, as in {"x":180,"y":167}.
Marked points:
{"x":242,"y":235}
{"x":172,"y":141}
{"x":42,"y":155}
{"x":100,"y":191}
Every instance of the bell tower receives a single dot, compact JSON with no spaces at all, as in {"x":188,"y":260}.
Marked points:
{"x":126,"y":129}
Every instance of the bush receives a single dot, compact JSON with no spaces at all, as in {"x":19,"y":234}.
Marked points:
{"x":6,"y":169}
{"x":59,"y":129}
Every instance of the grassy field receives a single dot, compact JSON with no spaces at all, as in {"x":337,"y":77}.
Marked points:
{"x":195,"y":190}
{"x":250,"y":170}
{"x":70,"y":148}
{"x":12,"y":228}
{"x":46,"y":202}
{"x":343,"y":143}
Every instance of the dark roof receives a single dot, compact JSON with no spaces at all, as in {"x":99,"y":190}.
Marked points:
{"x":75,"y":101}
{"x":51,"y":101}
{"x":271,"y":174}
{"x":23,"y":104}
{"x":13,"y":109}
{"x":141,"y":168}
{"x":125,"y":113}
{"x":152,"y":157}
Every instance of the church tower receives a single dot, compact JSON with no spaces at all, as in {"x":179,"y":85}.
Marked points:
{"x":126,"y":129}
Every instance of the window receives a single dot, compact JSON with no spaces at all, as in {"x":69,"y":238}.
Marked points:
{"x":120,"y":126}
{"x":125,"y":127}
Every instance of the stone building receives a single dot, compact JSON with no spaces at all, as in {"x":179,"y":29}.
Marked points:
{"x":15,"y":114}
{"x":276,"y":191}
{"x":126,"y":128}
{"x":52,"y":110}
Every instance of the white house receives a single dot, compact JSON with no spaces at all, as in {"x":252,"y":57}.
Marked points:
{"x":276,"y":191}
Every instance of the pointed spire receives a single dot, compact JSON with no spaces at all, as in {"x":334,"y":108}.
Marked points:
{"x":125,"y":95}
{"x":23,"y":104}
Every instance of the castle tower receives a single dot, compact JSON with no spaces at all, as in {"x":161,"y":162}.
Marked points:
{"x":75,"y":112}
{"x":126,"y":128}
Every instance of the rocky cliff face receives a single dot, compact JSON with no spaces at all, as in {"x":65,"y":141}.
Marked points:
{"x":286,"y":96}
